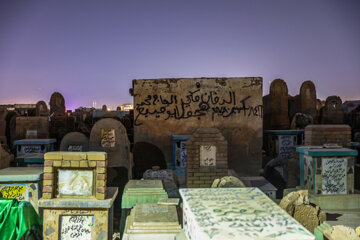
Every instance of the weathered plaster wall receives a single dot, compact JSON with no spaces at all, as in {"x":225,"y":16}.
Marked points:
{"x":165,"y":107}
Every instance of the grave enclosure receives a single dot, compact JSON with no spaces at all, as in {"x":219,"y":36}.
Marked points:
{"x":76,"y":203}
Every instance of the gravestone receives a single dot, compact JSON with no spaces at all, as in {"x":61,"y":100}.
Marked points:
{"x":332,"y":112}
{"x":207,"y":157}
{"x":109,"y":135}
{"x":41,"y":109}
{"x":3,"y":114}
{"x":308,"y":100}
{"x":57,"y":104}
{"x":327,"y":170}
{"x":279,"y":105}
{"x":75,"y":142}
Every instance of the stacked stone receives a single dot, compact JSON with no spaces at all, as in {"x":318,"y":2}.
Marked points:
{"x":152,"y":221}
{"x":318,"y":135}
{"x":203,"y":176}
{"x":141,"y":191}
{"x":76,"y":161}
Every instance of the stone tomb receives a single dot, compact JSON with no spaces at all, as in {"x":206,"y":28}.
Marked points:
{"x":75,"y":174}
{"x":74,"y":142}
{"x":207,"y":157}
{"x":327,"y":171}
{"x":152,"y":221}
{"x":236,"y":213}
{"x":22,"y":183}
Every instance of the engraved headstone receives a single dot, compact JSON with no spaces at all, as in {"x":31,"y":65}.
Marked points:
{"x":74,"y":142}
{"x":109,"y":135}
{"x":334,"y":176}
{"x":76,"y":227}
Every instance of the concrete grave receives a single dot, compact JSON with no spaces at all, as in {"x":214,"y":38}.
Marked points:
{"x":167,"y":107}
{"x":22,"y":183}
{"x":236,"y":213}
{"x":327,"y":171}
{"x":207,"y":157}
{"x":109,"y":135}
{"x":75,"y":142}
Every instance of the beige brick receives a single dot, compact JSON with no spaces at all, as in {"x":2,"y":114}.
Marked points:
{"x":57,"y":163}
{"x":100,"y":196}
{"x":66,"y":163}
{"x":53,"y":156}
{"x":48,"y":169}
{"x":75,"y":163}
{"x":96,"y":155}
{"x":48,"y":182}
{"x":100,"y":183}
{"x":92,"y":163}
{"x":100,"y":170}
{"x":74,"y":156}
{"x":47,"y":195}
{"x":84,"y":163}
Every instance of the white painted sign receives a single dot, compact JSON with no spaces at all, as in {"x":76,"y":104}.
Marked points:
{"x":334,"y":175}
{"x":76,"y":227}
{"x":207,"y":155}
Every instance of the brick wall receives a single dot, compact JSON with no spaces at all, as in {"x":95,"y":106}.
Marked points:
{"x":317,"y":135}
{"x":75,"y":161}
{"x":198,"y":172}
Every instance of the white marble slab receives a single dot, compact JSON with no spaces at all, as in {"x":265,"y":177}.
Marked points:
{"x":236,"y":213}
{"x":75,"y":182}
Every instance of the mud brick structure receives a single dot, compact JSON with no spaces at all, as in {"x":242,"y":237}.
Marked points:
{"x":94,"y":161}
{"x":207,"y":157}
{"x":317,"y":135}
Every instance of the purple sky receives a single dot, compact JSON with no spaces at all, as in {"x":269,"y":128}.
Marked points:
{"x":91,"y":50}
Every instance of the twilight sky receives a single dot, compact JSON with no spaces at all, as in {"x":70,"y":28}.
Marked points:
{"x":91,"y":50}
